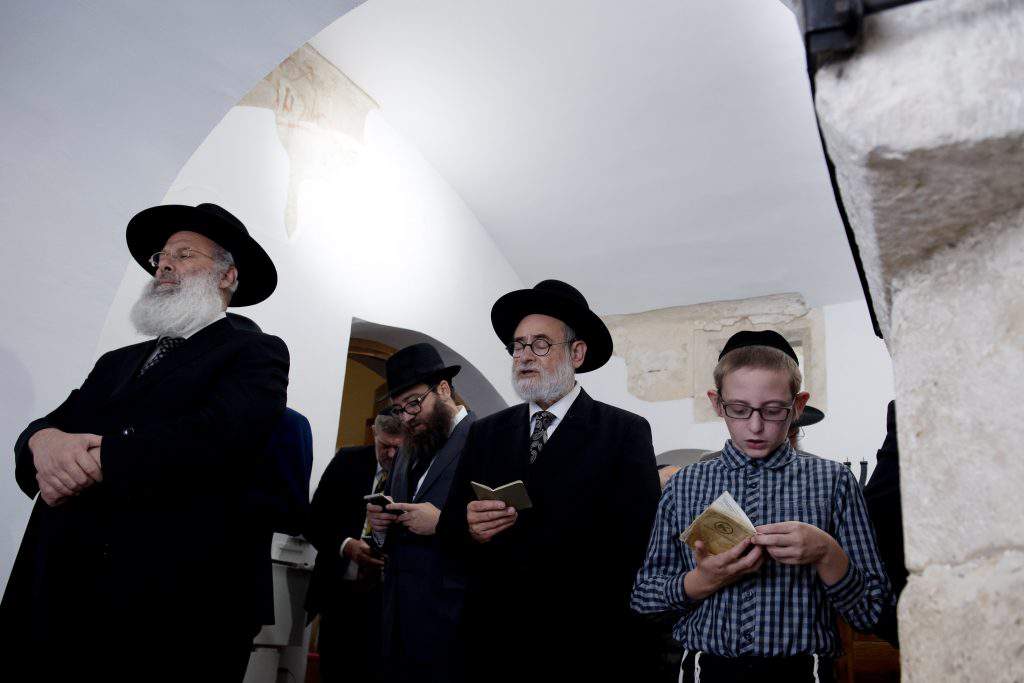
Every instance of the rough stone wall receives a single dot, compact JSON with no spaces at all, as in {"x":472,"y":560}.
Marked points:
{"x":926,"y":127}
{"x":671,"y":353}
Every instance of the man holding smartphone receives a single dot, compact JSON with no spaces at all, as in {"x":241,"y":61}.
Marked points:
{"x":346,"y":586}
{"x":423,"y":589}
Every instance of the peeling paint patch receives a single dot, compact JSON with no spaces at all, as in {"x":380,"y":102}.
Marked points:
{"x":320,"y":114}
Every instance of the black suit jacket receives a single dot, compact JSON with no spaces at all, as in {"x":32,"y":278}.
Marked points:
{"x":168,"y":543}
{"x":559,"y":580}
{"x":338,"y":512}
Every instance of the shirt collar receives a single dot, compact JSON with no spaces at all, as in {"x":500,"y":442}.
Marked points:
{"x":560,"y":407}
{"x":734,"y":458}
{"x":460,"y":415}
{"x":223,"y":314}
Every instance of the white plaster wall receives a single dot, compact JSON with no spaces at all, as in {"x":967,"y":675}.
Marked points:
{"x":860,"y":385}
{"x":381,"y":237}
{"x":101,"y":105}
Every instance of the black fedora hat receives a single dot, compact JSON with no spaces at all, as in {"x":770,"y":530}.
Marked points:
{"x":559,"y":300}
{"x":150,"y":229}
{"x":419,"y":363}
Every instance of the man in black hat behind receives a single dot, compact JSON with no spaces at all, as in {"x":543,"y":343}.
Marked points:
{"x":423,"y":589}
{"x":143,"y":559}
{"x":549,"y":585}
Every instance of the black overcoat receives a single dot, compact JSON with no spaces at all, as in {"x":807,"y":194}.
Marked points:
{"x":167,"y":548}
{"x":548,"y":599}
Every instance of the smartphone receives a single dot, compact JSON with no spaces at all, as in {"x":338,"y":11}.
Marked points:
{"x":381,"y":500}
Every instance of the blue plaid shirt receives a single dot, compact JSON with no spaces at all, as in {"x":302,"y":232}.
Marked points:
{"x":783,"y":610}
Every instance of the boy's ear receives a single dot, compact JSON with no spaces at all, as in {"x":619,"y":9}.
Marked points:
{"x":799,"y":402}
{"x":713,"y":397}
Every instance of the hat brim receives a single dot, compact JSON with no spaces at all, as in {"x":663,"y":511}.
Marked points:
{"x":809,"y":416}
{"x":509,"y":311}
{"x":445,"y":374}
{"x":149,"y":230}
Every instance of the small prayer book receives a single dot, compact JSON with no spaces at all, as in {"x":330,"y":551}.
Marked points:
{"x":512,"y":494}
{"x":721,"y":526}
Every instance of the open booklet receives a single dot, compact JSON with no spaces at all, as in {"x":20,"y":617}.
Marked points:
{"x":721,"y":526}
{"x":512,"y":494}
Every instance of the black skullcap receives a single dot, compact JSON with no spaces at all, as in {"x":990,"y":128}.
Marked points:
{"x":769,"y":338}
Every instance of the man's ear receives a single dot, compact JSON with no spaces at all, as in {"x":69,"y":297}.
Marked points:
{"x":229,"y":278}
{"x":444,"y":389}
{"x":715,"y":405}
{"x":578,"y":352}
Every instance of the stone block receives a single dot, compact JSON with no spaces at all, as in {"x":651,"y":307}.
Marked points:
{"x":925,"y":124}
{"x":958,"y":348}
{"x":965,"y":622}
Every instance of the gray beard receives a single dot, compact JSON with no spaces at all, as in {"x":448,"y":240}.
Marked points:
{"x":178,"y":311}
{"x":547,"y":388}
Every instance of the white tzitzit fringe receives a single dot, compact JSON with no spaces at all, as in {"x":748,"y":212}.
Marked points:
{"x":696,"y":667}
{"x":681,"y":663}
{"x":815,"y":668}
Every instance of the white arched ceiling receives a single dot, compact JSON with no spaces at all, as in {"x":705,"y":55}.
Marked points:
{"x":654,"y":154}
{"x":102,"y":104}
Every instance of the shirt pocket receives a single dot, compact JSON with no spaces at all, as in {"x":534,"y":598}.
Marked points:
{"x":815,"y":511}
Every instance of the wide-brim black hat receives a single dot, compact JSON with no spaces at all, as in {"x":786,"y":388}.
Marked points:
{"x":810,"y":416}
{"x":416,"y":364}
{"x":559,"y":300}
{"x":149,"y":230}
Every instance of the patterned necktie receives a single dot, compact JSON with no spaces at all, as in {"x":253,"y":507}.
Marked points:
{"x":540,"y":433}
{"x":378,"y":487}
{"x":164,"y":345}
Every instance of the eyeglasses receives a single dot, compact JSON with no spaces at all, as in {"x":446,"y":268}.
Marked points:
{"x":182,"y":254}
{"x":540,"y":347}
{"x":741,"y":411}
{"x":414,"y":405}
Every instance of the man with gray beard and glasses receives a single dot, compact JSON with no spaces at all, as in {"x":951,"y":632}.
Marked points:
{"x":144,"y":558}
{"x":548,"y":586}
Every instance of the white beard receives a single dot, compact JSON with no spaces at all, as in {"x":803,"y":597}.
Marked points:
{"x":545,"y":388}
{"x":178,"y":310}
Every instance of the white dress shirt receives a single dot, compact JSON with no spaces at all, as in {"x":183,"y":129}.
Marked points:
{"x":559,"y":408}
{"x":223,"y":314}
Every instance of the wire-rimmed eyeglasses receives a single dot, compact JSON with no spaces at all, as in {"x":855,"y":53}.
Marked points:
{"x":413,"y":406}
{"x":182,"y":254}
{"x":540,"y":347}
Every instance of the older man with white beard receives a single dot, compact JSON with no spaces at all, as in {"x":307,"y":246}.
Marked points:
{"x":549,"y":586}
{"x":142,"y":559}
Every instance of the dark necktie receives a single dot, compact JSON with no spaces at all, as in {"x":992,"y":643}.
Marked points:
{"x":380,"y":482}
{"x":543,"y":419}
{"x":164,"y":345}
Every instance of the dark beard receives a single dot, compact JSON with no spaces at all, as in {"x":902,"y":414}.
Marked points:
{"x":427,"y":443}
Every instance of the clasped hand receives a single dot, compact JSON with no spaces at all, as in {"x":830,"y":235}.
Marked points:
{"x":66,"y":464}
